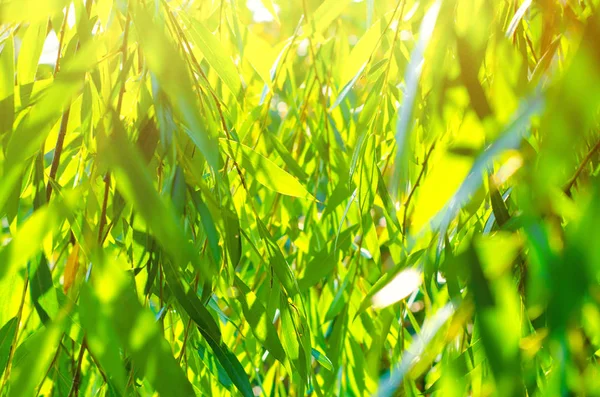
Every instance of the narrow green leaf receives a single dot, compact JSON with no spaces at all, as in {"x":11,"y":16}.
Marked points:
{"x":26,"y":376}
{"x":348,"y":87}
{"x":324,"y":16}
{"x":325,"y":260}
{"x":168,"y":66}
{"x":7,"y":85}
{"x":277,"y":261}
{"x":209,"y":330}
{"x":393,"y":380}
{"x":7,"y":332}
{"x":411,"y":81}
{"x":29,"y":55}
{"x":264,"y":170}
{"x":214,"y":53}
{"x":322,"y":359}
{"x":32,"y":131}
{"x":137,"y":331}
{"x":209,"y":225}
{"x":261,"y":326}
{"x":96,"y":321}
{"x":135,"y":185}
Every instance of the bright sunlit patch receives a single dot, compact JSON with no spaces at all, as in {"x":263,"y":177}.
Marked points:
{"x":399,"y":288}
{"x":507,"y":169}
{"x":365,"y":253}
{"x":141,"y":332}
{"x":50,"y":50}
{"x":411,"y":12}
{"x":302,"y":49}
{"x":282,"y":109}
{"x":71,"y":17}
{"x":512,"y":27}
{"x":260,"y":13}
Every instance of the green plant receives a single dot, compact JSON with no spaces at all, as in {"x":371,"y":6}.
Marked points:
{"x":327,"y":198}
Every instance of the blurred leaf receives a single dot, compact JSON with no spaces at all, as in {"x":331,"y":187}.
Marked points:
{"x":71,"y":268}
{"x":7,"y":85}
{"x":40,"y":349}
{"x":28,"y":10}
{"x":327,"y":12}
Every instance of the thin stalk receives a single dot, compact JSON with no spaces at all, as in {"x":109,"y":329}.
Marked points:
{"x":84,"y":345}
{"x":412,"y":191}
{"x":584,"y":162}
{"x":184,"y":40}
{"x":49,"y":369}
{"x":74,"y":391}
{"x":60,"y":140}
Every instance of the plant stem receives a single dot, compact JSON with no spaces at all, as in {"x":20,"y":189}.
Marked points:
{"x":77,"y":377}
{"x":412,"y":191}
{"x":585,"y":161}
{"x":60,"y":140}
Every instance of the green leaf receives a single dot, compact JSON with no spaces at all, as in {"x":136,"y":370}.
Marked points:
{"x":264,"y":170}
{"x":137,"y":331}
{"x":214,"y":53}
{"x":29,"y":54}
{"x":135,"y":185}
{"x":324,"y":261}
{"x":209,"y":330}
{"x":26,"y":375}
{"x":322,"y":359}
{"x":7,"y":85}
{"x":214,"y":366}
{"x":411,"y":80}
{"x":99,"y":327}
{"x":29,"y":238}
{"x":209,"y":226}
{"x":40,"y":284}
{"x":348,"y":87}
{"x":262,"y":327}
{"x":277,"y":261}
{"x":390,"y":382}
{"x":7,"y":333}
{"x":33,"y":129}
{"x":498,"y":206}
{"x":174,"y":78}
{"x":327,"y":12}
{"x":286,"y":156}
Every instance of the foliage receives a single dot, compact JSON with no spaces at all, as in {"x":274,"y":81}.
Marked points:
{"x":292,"y":198}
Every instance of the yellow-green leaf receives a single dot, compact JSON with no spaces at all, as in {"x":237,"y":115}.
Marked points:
{"x":266,"y":172}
